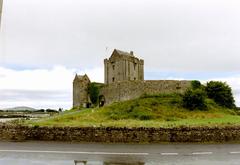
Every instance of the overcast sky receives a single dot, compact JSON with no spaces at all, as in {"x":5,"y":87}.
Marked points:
{"x":43,"y":43}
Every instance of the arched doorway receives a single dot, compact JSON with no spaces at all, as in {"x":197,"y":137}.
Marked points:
{"x":102,"y":101}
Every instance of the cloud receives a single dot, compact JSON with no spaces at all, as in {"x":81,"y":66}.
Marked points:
{"x":171,"y":35}
{"x":52,"y":88}
{"x":40,"y":88}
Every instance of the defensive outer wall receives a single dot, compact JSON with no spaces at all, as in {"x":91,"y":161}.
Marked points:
{"x":126,"y":90}
{"x":120,"y":135}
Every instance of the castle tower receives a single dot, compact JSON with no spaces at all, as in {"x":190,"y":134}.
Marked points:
{"x":80,"y":91}
{"x":123,"y":66}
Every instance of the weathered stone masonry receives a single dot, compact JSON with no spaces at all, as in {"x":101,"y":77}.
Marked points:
{"x":124,"y":80}
{"x":80,"y":91}
{"x":120,"y":135}
{"x":127,"y":90}
{"x":123,"y":66}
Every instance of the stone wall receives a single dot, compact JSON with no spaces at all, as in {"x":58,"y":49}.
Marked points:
{"x":126,"y":90}
{"x":120,"y":135}
{"x":80,"y":91}
{"x":123,"y":66}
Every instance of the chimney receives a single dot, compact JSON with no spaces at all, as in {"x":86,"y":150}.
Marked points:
{"x":131,"y":52}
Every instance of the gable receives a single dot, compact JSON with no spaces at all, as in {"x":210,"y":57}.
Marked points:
{"x":82,"y":78}
{"x":118,"y":55}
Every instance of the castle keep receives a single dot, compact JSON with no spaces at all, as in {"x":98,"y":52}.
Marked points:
{"x":123,"y":66}
{"x":124,"y":80}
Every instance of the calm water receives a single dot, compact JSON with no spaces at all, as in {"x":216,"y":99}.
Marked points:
{"x":59,"y":153}
{"x":33,"y":162}
{"x":51,"y":162}
{"x":4,"y":120}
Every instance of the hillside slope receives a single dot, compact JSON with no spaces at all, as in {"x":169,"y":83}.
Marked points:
{"x":147,"y":111}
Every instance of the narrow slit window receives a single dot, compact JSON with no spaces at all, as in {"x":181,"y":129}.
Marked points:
{"x":135,"y":65}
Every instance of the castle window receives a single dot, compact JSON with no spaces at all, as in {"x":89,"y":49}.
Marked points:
{"x":135,"y":64}
{"x":134,"y":78}
{"x":113,"y":67}
{"x":113,"y":79}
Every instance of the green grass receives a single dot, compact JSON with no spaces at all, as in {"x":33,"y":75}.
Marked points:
{"x":147,"y":111}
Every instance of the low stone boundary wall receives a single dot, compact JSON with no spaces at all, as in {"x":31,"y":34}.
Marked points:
{"x":120,"y":135}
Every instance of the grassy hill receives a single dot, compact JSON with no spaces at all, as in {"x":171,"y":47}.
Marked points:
{"x":147,"y":111}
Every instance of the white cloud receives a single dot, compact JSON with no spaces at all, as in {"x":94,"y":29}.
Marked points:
{"x":40,"y":88}
{"x":171,"y":35}
{"x":52,"y":88}
{"x":39,"y":79}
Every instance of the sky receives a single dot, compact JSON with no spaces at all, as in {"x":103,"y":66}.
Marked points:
{"x":44,"y":43}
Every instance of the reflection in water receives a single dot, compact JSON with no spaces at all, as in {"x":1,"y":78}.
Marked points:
{"x":119,"y":163}
{"x":76,"y":162}
{"x":109,"y":163}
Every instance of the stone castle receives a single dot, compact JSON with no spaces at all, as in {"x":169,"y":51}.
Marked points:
{"x":124,"y":80}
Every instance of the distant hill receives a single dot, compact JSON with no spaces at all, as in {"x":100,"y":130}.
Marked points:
{"x":21,"y":108}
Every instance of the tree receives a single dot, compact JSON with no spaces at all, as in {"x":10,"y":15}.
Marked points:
{"x":196,"y":84}
{"x":93,"y":91}
{"x":221,"y":93}
{"x":194,"y":99}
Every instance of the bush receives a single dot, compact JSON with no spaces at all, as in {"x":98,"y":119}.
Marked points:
{"x":93,"y":90}
{"x":196,"y":84}
{"x":194,"y":99}
{"x":221,"y":93}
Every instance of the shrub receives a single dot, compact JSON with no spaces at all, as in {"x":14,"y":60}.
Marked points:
{"x":221,"y":93}
{"x":93,"y":91}
{"x":194,"y":99}
{"x":196,"y":84}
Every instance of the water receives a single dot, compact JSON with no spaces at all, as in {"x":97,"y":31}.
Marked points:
{"x":30,"y":116}
{"x":4,"y":120}
{"x":33,"y":162}
{"x":66,"y":162}
{"x":59,"y":153}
